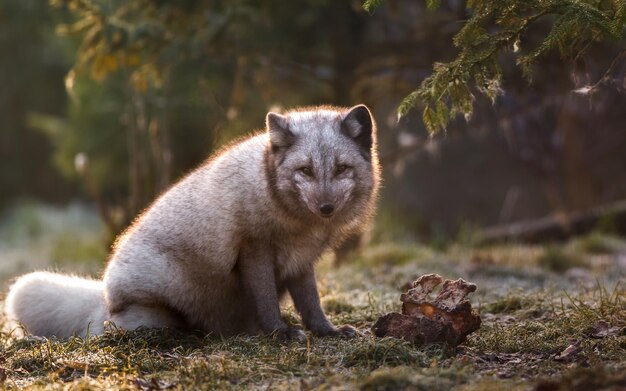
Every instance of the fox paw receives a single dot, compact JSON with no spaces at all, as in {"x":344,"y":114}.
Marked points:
{"x":289,"y":334}
{"x":345,"y":331}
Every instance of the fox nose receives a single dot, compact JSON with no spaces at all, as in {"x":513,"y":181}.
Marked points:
{"x":327,"y":209}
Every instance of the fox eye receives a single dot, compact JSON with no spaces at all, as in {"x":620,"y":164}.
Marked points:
{"x":308,"y":171}
{"x":341,"y":169}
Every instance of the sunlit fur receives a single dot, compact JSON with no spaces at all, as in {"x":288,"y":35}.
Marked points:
{"x":183,"y":263}
{"x":54,"y":304}
{"x":320,"y":145}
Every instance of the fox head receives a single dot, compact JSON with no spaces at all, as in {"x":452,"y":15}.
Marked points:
{"x":322,"y":162}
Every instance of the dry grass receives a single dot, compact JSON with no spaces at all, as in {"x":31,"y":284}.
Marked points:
{"x":532,"y":313}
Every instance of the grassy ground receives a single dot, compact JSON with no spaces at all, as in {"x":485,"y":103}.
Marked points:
{"x":554,"y":318}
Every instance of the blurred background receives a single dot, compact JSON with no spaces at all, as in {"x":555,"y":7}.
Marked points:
{"x":103,"y":104}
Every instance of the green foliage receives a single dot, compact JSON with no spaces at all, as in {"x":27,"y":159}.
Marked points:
{"x":601,"y":243}
{"x":140,"y":37}
{"x":92,"y":126}
{"x":557,"y":260}
{"x":33,"y":63}
{"x":138,"y":113}
{"x":148,"y":41}
{"x":497,"y":27}
{"x":157,"y":85}
{"x":371,"y":5}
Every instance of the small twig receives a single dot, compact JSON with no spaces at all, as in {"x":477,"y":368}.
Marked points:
{"x":606,"y":76}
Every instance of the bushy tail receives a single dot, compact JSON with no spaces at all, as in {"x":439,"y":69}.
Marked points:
{"x":48,"y":304}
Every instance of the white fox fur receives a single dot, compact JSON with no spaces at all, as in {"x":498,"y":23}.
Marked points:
{"x":218,"y":250}
{"x":68,"y":304}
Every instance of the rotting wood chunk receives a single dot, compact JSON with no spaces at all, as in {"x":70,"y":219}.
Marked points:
{"x":449,"y":318}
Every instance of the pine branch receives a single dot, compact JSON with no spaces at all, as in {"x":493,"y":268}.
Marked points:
{"x":495,"y":27}
{"x":371,"y":5}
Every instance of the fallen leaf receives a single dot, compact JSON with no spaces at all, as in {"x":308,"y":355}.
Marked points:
{"x":570,"y":353}
{"x":603,"y":329}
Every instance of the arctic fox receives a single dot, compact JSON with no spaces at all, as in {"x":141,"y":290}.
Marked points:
{"x":217,"y":251}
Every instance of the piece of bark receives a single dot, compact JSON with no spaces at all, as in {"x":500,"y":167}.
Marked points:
{"x":449,"y":318}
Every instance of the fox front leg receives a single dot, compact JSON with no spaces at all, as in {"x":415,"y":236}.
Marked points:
{"x":259,"y":283}
{"x":303,"y":291}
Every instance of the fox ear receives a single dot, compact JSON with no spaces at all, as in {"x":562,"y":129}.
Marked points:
{"x":358,"y":125}
{"x":278,"y":129}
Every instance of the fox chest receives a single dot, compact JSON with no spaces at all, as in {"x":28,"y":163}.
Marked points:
{"x":295,"y":253}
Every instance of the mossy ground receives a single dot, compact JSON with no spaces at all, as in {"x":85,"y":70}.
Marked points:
{"x":539,"y":307}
